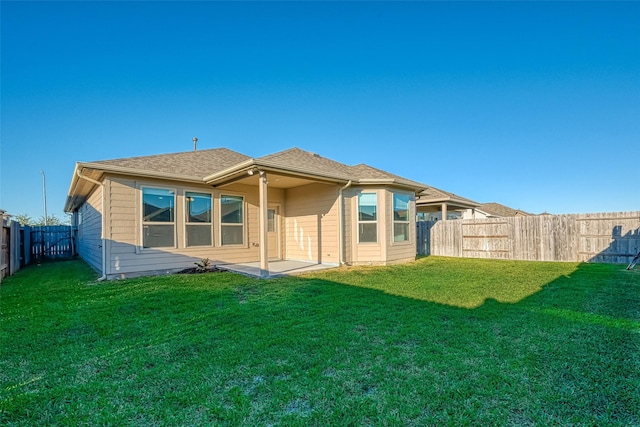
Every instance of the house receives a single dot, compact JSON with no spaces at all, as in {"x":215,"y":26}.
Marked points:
{"x":160,"y":214}
{"x":492,"y":210}
{"x":434,"y":204}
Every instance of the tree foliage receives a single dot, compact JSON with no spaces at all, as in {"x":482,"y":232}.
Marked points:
{"x":51,"y":220}
{"x":23,"y":219}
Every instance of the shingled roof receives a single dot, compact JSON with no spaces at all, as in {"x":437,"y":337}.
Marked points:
{"x":433,"y":195}
{"x":315,"y":163}
{"x":193,"y":164}
{"x":219,"y":165}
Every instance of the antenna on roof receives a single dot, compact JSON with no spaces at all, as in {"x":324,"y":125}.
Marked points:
{"x":195,"y":143}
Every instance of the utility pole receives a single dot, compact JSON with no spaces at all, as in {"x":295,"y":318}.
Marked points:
{"x":44,"y":196}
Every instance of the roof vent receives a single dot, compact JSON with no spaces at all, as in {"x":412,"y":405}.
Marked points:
{"x":316,"y":155}
{"x":195,"y":143}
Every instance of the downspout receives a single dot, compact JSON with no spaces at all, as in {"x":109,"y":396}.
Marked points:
{"x":341,"y":224}
{"x":104,"y":249}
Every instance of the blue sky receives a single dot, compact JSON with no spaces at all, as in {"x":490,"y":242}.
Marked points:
{"x":535,"y":105}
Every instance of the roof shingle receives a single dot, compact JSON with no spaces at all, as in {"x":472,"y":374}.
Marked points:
{"x":195,"y":164}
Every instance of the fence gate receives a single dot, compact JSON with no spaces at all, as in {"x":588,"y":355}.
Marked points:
{"x":52,"y":241}
{"x":423,"y":237}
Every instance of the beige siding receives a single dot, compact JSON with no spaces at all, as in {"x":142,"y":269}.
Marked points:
{"x":90,"y":230}
{"x":400,"y":251}
{"x":311,"y":225}
{"x":368,"y":253}
{"x":309,"y":219}
{"x":385,"y":251}
{"x":348,"y":225}
{"x":128,"y":258}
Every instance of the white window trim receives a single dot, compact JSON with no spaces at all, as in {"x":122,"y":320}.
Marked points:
{"x":393,"y":220}
{"x":243,"y":224}
{"x":377,"y":221}
{"x":142,"y":222}
{"x":185,"y":214}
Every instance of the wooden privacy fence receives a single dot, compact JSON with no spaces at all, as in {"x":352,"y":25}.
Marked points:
{"x":51,"y":241}
{"x":423,"y":237}
{"x":596,"y":237}
{"x":9,"y":248}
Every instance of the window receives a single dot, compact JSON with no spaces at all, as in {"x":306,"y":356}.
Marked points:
{"x":198,"y":213}
{"x":401,"y":217}
{"x":367,"y":218}
{"x":271,"y":221}
{"x":158,"y":218}
{"x":231,"y":220}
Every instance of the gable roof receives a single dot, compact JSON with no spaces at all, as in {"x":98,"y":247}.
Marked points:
{"x":219,"y":166}
{"x":311,"y":162}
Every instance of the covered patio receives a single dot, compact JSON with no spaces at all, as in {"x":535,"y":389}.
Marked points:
{"x":441,"y":205}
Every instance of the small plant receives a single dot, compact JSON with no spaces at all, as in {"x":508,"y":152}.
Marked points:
{"x":202,"y":265}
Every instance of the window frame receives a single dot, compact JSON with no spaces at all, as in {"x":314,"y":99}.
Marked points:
{"x":359,"y":221}
{"x":394,"y":221}
{"x":242,"y":223}
{"x":174,"y":191}
{"x":186,"y":224}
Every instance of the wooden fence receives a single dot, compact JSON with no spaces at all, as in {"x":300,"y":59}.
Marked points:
{"x":598,"y":237}
{"x":51,"y":241}
{"x":9,"y":248}
{"x":423,"y":237}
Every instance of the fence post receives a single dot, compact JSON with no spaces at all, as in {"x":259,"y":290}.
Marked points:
{"x":14,"y":248}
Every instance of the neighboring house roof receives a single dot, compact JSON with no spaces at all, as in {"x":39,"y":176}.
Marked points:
{"x":499,"y":210}
{"x":434,"y":197}
{"x":221,"y":166}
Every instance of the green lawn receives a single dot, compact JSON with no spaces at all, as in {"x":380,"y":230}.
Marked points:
{"x":438,"y":342}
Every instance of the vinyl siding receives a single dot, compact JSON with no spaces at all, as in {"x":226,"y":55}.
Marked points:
{"x":311,"y":224}
{"x":127,"y":257}
{"x":400,"y":251}
{"x":347,"y":207}
{"x":90,"y":230}
{"x":367,"y":253}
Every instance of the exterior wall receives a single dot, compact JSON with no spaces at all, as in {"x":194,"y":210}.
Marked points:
{"x":385,"y":250}
{"x":127,"y":257}
{"x":474,"y":214}
{"x":309,"y":232}
{"x":366,"y":253}
{"x":311,"y":224}
{"x":348,"y":225}
{"x":89,"y":235}
{"x":400,"y":251}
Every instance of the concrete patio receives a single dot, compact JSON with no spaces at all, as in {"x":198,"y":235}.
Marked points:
{"x":278,"y":268}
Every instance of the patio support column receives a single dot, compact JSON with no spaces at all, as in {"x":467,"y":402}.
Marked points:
{"x":262,"y":214}
{"x":443,"y":209}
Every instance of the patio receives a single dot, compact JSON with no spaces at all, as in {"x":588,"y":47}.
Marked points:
{"x":277,"y":268}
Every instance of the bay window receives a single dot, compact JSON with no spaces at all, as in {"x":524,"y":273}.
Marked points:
{"x":367,"y":218}
{"x":401,"y":204}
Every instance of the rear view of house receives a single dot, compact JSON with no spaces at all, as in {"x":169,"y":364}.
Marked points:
{"x":159,"y":214}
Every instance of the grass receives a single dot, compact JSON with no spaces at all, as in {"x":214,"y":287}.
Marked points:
{"x":438,"y":342}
